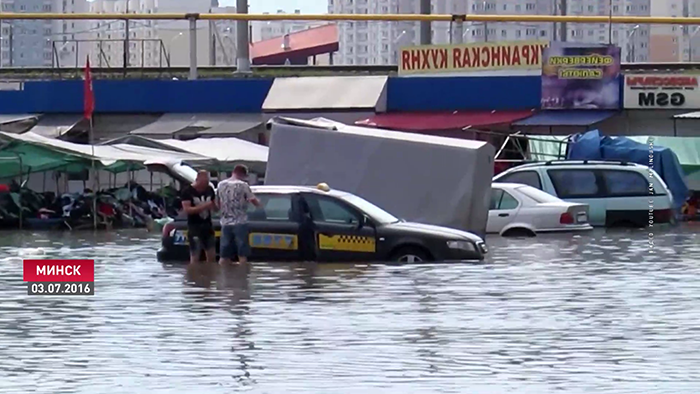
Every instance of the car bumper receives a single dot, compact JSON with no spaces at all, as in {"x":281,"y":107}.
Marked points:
{"x":461,"y":255}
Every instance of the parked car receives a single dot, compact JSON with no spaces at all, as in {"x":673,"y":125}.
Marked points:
{"x":334,"y":226}
{"x":617,"y":193}
{"x":523,"y":210}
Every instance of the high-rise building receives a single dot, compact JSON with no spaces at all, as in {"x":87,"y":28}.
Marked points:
{"x":109,"y":37}
{"x":41,"y":43}
{"x":151,"y":43}
{"x":378,"y":42}
{"x":674,"y":43}
{"x":265,"y":30}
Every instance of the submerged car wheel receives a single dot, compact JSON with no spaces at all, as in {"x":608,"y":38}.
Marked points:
{"x":410,"y":255}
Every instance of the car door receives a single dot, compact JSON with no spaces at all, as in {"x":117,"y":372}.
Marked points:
{"x":341,"y":232}
{"x":503,"y":210}
{"x":581,"y":185}
{"x":274,"y":228}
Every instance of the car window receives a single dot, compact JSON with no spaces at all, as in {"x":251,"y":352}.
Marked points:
{"x":536,"y":195}
{"x":329,"y":210}
{"x":574,"y":183}
{"x":530,"y":178}
{"x":274,"y":207}
{"x":625,"y":183}
{"x":508,"y":201}
{"x":496,"y":195}
{"x":500,"y":199}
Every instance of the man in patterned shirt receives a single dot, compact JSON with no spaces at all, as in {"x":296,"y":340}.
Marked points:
{"x":232,"y":198}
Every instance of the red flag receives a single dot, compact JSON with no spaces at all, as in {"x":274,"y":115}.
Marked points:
{"x":89,"y":95}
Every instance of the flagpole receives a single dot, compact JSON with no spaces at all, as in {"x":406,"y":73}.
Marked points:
{"x":94,"y":176}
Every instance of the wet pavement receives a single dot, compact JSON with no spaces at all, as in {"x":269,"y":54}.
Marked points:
{"x":594,"y":313}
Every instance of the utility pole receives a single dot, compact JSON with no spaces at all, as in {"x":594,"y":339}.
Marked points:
{"x":126,"y":40}
{"x":554,"y":25}
{"x":425,"y":28}
{"x":12,"y":33}
{"x":242,"y":40}
{"x":564,"y":11}
{"x":486,"y":25}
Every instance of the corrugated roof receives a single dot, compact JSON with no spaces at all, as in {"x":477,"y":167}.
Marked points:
{"x":327,"y":93}
{"x":200,"y":124}
{"x":438,"y":121}
{"x":566,"y":118}
{"x":309,"y":42}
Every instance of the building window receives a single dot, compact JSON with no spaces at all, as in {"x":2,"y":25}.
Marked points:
{"x":504,"y":33}
{"x":529,"y":6}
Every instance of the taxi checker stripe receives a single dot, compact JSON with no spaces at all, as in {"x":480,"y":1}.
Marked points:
{"x":355,"y":239}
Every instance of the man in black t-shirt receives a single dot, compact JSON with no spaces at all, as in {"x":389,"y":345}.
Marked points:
{"x":198,"y":201}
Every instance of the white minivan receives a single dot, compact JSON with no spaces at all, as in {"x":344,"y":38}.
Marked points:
{"x":618,"y":194}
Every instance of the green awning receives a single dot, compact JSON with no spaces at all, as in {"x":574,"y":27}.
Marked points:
{"x":18,"y":159}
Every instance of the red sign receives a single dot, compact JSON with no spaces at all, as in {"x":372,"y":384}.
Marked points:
{"x":666,"y":82}
{"x":59,"y":270}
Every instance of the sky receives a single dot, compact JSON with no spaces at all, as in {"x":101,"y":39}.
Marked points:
{"x":271,"y":6}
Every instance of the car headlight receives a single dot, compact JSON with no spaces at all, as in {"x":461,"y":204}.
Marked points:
{"x":462,"y":245}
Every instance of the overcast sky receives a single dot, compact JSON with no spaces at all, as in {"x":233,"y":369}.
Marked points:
{"x":271,"y":6}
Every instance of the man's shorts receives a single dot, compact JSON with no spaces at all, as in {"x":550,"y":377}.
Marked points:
{"x":200,"y":238}
{"x":234,"y":241}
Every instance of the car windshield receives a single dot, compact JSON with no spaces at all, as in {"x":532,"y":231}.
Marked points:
{"x":370,"y":209}
{"x":538,"y":195}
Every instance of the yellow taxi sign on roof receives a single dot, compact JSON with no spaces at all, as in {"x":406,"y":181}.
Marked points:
{"x":323,"y":187}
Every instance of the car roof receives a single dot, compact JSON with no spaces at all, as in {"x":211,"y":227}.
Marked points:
{"x":283,"y":189}
{"x":607,"y":164}
{"x":508,"y":185}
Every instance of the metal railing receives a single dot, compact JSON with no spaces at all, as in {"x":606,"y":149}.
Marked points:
{"x":361,"y":17}
{"x":103,"y":58}
{"x":457,"y":20}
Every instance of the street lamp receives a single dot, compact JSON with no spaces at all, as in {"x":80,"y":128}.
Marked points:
{"x":170,"y":44}
{"x":630,"y":45}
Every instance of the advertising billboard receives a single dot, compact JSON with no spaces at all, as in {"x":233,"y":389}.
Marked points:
{"x":485,"y":58}
{"x":581,"y":77}
{"x":661,"y":91}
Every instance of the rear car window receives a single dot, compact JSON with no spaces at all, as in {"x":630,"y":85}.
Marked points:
{"x":537,"y":195}
{"x":625,"y":183}
{"x":530,"y":178}
{"x":574,"y":183}
{"x":500,"y":199}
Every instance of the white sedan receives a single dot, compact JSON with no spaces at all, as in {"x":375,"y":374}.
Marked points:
{"x":521,"y":210}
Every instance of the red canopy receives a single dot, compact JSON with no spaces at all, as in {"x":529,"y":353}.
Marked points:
{"x":436,"y":121}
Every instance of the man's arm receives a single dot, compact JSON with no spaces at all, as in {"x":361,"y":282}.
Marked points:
{"x":251,"y":197}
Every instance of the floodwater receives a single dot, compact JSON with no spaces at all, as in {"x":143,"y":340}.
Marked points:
{"x":593,"y":313}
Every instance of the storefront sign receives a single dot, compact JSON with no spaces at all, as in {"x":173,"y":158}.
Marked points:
{"x":480,"y":58}
{"x":662,"y":91}
{"x":581,"y":77}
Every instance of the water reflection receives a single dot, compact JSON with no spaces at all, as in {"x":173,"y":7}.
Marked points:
{"x":590,"y":313}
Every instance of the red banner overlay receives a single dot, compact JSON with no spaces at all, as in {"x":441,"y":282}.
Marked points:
{"x":59,"y":270}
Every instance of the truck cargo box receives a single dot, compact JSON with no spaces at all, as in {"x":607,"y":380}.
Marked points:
{"x":428,"y":179}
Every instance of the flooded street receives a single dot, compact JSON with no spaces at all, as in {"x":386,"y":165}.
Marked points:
{"x":592,"y":313}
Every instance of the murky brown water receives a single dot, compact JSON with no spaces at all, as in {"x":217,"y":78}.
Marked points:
{"x":558,"y":314}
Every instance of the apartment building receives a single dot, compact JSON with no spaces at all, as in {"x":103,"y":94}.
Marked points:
{"x":265,"y":30}
{"x":671,"y":43}
{"x":151,"y":43}
{"x":41,"y":43}
{"x":379,"y":42}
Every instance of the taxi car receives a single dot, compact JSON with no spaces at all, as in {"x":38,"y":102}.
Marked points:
{"x":296,"y":223}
